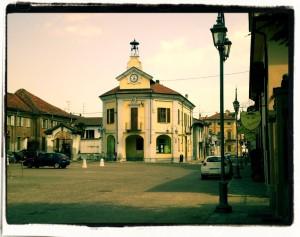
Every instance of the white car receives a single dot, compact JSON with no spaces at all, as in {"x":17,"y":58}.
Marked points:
{"x":211,"y":166}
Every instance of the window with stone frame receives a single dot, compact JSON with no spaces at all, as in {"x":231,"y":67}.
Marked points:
{"x":110,"y":116}
{"x":90,"y":134}
{"x":163,"y":115}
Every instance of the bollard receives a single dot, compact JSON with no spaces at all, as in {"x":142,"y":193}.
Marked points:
{"x":84,"y":165}
{"x":101,"y":162}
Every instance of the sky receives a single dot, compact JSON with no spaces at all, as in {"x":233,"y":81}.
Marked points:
{"x":70,"y":59}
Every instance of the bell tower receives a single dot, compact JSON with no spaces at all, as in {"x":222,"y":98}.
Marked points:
{"x":134,"y":56}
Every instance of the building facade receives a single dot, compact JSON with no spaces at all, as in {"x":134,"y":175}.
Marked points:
{"x":34,"y":124}
{"x":201,"y":143}
{"x":230,"y":134}
{"x":27,"y":119}
{"x":271,"y":88}
{"x":144,"y":120}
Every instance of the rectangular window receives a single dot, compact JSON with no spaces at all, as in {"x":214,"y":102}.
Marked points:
{"x":8,"y":120}
{"x":12,"y":120}
{"x":134,"y":119}
{"x":163,"y":115}
{"x":27,"y":122}
{"x":185,"y":119}
{"x":18,"y":121}
{"x":43,"y":144}
{"x":229,"y":135}
{"x":45,"y":123}
{"x":18,"y":143}
{"x":229,"y":148}
{"x":110,"y":116}
{"x":178,"y":117}
{"x":90,"y":134}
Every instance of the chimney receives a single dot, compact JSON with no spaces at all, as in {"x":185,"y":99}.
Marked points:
{"x":186,"y":96}
{"x":157,"y":81}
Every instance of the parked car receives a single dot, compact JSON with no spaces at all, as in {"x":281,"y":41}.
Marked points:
{"x":54,"y":159}
{"x":211,"y":166}
{"x":21,"y":155}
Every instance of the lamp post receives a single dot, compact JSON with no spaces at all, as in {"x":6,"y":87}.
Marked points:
{"x":236,"y":106}
{"x":223,"y":45}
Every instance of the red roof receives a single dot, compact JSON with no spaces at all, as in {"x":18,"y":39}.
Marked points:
{"x":14,"y":102}
{"x":154,"y":88}
{"x":217,"y":116}
{"x":23,"y":100}
{"x":89,"y":121}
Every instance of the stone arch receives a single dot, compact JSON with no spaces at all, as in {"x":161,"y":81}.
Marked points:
{"x":134,"y":148}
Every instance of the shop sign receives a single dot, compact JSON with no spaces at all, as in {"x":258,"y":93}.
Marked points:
{"x":250,"y":120}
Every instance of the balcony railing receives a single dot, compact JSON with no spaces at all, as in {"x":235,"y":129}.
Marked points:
{"x":136,"y":129}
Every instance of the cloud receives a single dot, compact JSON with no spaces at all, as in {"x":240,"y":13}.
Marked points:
{"x":176,"y":58}
{"x":74,"y":25}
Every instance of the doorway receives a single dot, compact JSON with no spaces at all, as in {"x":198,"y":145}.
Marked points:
{"x":134,"y":148}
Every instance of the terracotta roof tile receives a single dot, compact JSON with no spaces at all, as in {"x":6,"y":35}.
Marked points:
{"x":161,"y":89}
{"x":38,"y":105}
{"x":14,"y":102}
{"x":154,"y":87}
{"x":89,"y":121}
{"x":217,"y":116}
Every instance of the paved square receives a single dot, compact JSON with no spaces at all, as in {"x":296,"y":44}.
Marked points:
{"x":118,"y":193}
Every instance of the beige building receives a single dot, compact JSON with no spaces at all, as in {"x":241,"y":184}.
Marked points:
{"x":230,"y":135}
{"x":144,"y":120}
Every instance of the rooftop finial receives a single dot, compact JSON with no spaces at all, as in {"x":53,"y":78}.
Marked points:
{"x":134,"y":48}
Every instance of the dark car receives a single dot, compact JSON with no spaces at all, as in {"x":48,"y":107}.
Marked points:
{"x":54,"y":159}
{"x":21,"y":155}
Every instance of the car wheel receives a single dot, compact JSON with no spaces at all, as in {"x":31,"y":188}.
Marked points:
{"x":63,"y":166}
{"x":56,"y":165}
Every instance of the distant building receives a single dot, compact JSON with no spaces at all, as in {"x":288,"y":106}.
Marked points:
{"x":32,"y":123}
{"x":145,"y":120}
{"x":91,"y":136}
{"x":230,"y":135}
{"x":27,"y":118}
{"x":201,"y":142}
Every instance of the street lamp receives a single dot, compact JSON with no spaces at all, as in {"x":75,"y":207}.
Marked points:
{"x":223,"y":45}
{"x":236,"y":106}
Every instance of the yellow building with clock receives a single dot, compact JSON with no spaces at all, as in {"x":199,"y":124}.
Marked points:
{"x":145,"y":120}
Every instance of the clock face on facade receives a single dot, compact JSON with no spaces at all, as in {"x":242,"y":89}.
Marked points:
{"x":134,"y":77}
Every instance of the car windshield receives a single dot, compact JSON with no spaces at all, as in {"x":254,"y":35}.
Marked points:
{"x":213,"y":159}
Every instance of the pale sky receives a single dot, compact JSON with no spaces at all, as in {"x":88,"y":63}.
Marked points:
{"x":69,"y":59}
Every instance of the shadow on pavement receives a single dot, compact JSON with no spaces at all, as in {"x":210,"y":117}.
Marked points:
{"x":91,"y":214}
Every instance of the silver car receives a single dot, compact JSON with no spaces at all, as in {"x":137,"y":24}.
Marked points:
{"x":211,"y":166}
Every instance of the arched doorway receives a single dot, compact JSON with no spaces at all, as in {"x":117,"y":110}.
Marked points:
{"x":63,"y":143}
{"x":110,"y":151}
{"x":134,"y":148}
